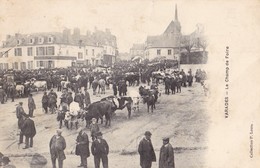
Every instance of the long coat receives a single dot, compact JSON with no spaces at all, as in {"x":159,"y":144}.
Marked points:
{"x":146,"y":151}
{"x":100,"y":148}
{"x":45,"y":100}
{"x":2,"y":95}
{"x":87,"y":98}
{"x":166,"y":159}
{"x":28,"y":128}
{"x":31,"y":103}
{"x":82,"y":147}
{"x":57,"y":146}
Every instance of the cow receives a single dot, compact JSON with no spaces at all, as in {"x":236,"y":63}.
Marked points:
{"x":120,"y":103}
{"x":72,"y":118}
{"x":40,"y":85}
{"x":99,"y":109}
{"x":20,"y":90}
{"x":102,"y":86}
{"x":205,"y":85}
{"x":65,"y":84}
{"x":131,"y":78}
{"x":149,"y":96}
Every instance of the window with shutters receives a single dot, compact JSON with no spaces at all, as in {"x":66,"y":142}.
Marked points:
{"x":80,"y":55}
{"x":158,"y":52}
{"x":40,"y":51}
{"x":18,"y":52}
{"x":50,"y":50}
{"x":29,"y":51}
{"x":15,"y":65}
{"x":169,"y":52}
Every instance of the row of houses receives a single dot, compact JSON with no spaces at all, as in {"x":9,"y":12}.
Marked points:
{"x":171,"y":44}
{"x":58,"y":49}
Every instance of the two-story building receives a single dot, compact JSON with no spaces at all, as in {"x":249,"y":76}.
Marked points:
{"x":137,"y":50}
{"x":54,"y":49}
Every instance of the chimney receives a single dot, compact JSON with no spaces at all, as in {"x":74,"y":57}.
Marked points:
{"x":17,"y":35}
{"x":76,"y":33}
{"x":8,"y":36}
{"x":66,"y":35}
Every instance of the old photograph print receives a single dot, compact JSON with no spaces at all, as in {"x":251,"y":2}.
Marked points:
{"x":129,"y":84}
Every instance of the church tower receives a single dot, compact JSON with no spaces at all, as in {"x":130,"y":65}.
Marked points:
{"x":174,"y":28}
{"x":177,"y":24}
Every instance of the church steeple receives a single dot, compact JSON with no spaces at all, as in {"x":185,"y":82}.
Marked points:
{"x":176,"y":13}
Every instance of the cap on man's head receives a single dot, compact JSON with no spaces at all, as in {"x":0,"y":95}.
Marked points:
{"x":6,"y":159}
{"x":148,"y":133}
{"x":59,"y":130}
{"x":20,"y":103}
{"x":99,"y":134}
{"x":166,"y":139}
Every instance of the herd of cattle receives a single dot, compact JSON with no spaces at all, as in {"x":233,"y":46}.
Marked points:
{"x":74,"y":81}
{"x":107,"y":107}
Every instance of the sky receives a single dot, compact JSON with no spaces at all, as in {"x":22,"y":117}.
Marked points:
{"x":130,"y":20}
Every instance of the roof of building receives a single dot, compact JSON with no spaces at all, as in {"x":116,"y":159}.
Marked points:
{"x":97,"y":38}
{"x":161,"y":41}
{"x":137,"y":46}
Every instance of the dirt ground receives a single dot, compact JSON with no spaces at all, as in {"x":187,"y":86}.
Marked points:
{"x":182,"y":117}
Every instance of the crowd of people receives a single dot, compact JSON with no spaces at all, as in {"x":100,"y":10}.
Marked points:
{"x":99,"y":147}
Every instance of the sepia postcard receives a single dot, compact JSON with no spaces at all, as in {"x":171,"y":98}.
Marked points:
{"x":129,"y":83}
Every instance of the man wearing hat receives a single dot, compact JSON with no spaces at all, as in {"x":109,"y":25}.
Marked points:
{"x":31,"y":105}
{"x":166,"y":159}
{"x":57,"y":147}
{"x":2,"y":95}
{"x":20,"y":116}
{"x":100,"y":150}
{"x":94,"y":128}
{"x":87,"y":98}
{"x":146,"y":151}
{"x":82,"y":148}
{"x":6,"y":164}
{"x":29,"y":131}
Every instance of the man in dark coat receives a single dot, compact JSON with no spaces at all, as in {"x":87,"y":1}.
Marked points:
{"x":45,"y":101}
{"x":166,"y":159}
{"x":31,"y":105}
{"x":12,"y":92}
{"x":79,"y":99}
{"x":82,"y":148}
{"x":57,"y":147}
{"x":115,"y":88}
{"x":100,"y":150}
{"x":190,"y":80}
{"x":20,"y":114}
{"x":2,"y":95}
{"x":29,"y":131}
{"x":87,"y":98}
{"x":69,"y":99}
{"x":146,"y":151}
